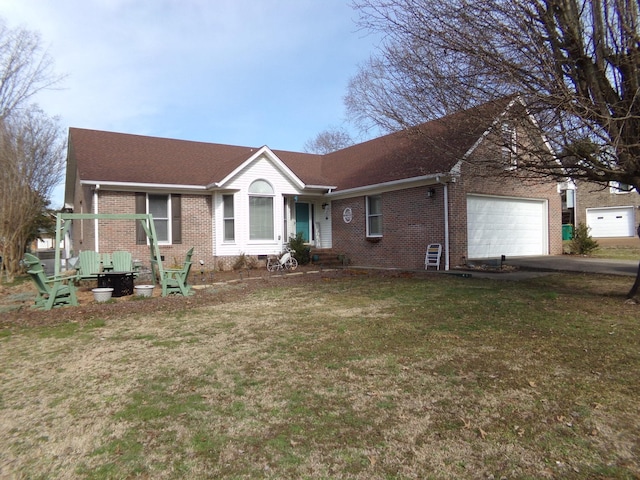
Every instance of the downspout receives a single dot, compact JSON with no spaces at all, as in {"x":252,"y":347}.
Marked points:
{"x":446,"y":221}
{"x":575,"y":207}
{"x":95,"y":221}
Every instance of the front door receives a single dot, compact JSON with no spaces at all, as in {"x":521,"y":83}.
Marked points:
{"x":302,"y":220}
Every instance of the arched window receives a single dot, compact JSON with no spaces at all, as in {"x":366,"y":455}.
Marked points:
{"x":261,"y":187}
{"x":261,"y":211}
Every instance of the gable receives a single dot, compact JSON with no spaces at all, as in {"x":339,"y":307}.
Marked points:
{"x":263,"y":165}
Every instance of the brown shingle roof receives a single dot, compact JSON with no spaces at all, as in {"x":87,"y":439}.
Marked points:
{"x":119,"y":157}
{"x":429,"y":149}
{"x":432,"y":148}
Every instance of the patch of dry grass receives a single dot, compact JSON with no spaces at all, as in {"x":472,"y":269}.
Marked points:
{"x":363,"y":378}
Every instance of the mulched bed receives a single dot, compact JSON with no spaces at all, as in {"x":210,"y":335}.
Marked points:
{"x":210,"y":289}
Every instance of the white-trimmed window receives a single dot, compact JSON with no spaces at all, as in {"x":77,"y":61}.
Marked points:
{"x":261,"y":225}
{"x":167,"y":217}
{"x":509,"y":145}
{"x":374,"y":216}
{"x":228,"y":218}
{"x":619,"y":187}
{"x":160,"y":207}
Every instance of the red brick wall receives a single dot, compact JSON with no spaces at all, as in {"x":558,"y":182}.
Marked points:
{"x":197,"y":229}
{"x":82,"y":231}
{"x":410,"y":221}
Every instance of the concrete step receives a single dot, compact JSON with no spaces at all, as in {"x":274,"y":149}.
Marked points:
{"x":328,"y":258}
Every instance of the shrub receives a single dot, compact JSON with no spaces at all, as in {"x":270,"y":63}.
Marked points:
{"x":582,"y":243}
{"x":302,"y":252}
{"x":244,"y":261}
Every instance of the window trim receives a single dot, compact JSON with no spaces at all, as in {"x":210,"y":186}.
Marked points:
{"x":169,"y":218}
{"x":225,"y":219}
{"x":370,"y":216}
{"x":509,"y":134}
{"x":270,"y":196}
{"x":619,"y":188}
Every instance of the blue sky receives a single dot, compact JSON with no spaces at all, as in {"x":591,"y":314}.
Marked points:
{"x":242,"y":72}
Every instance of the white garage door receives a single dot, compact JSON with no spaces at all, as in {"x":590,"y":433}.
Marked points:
{"x":506,"y":226}
{"x":611,"y":222}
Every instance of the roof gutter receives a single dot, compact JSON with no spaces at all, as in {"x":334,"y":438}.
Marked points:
{"x":322,"y":187}
{"x":132,"y":185}
{"x":393,"y":185}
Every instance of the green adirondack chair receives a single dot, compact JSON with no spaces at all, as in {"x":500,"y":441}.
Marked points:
{"x":122,"y":261}
{"x":89,"y":265}
{"x":107,"y":264}
{"x":53,"y":291}
{"x":174,"y":280}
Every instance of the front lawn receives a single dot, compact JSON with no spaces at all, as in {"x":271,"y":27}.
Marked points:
{"x":352,"y":376}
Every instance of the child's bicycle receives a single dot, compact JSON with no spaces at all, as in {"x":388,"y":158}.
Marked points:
{"x":286,"y":261}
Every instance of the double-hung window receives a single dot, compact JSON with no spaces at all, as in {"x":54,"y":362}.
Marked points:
{"x":159,"y":207}
{"x":167,"y":216}
{"x":261,"y":224}
{"x":374,"y":216}
{"x":228,"y":218}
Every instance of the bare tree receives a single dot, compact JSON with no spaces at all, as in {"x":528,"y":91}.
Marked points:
{"x":329,"y":141}
{"x":575,"y":65}
{"x":31,"y":150}
{"x":25,"y":68}
{"x":31,"y":164}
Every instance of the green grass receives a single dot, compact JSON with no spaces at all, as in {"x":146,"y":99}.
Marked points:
{"x":630,"y":251}
{"x":363,"y":377}
{"x":618,"y":252}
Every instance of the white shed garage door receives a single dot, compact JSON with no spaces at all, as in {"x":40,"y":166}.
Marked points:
{"x":611,"y":222}
{"x":506,"y":226}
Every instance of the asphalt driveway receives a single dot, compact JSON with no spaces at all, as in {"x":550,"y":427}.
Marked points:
{"x":575,"y":263}
{"x":531,"y":267}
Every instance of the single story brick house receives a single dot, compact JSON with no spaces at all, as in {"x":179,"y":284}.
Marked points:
{"x":380,"y":202}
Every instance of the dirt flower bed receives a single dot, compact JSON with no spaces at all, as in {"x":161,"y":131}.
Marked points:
{"x":210,"y":288}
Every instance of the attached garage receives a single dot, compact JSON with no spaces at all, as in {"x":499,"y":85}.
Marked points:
{"x":611,"y":222}
{"x":506,"y":226}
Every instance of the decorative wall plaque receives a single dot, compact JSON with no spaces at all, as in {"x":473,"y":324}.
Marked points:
{"x":347,"y":215}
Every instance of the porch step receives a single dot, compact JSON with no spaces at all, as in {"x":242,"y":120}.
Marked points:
{"x":328,"y":258}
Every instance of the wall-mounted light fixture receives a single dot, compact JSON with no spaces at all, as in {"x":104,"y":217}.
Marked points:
{"x":324,"y":206}
{"x":431,"y":192}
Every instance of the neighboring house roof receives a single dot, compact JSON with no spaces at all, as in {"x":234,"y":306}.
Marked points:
{"x":432,"y":148}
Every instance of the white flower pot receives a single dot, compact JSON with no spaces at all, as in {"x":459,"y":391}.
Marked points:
{"x":102,"y":294}
{"x":144,"y":290}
